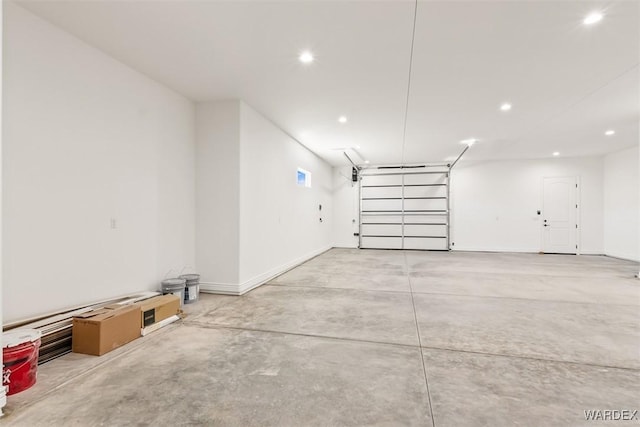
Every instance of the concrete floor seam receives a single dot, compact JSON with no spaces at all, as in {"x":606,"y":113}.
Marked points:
{"x":290,"y":285}
{"x":207,"y":326}
{"x":260,"y":360}
{"x":540,"y":359}
{"x":298,"y":334}
{"x":196,"y":323}
{"x":528,"y":299}
{"x":424,"y":368}
{"x":236,"y":300}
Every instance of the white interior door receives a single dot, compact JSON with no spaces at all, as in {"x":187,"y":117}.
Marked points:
{"x":559,"y":215}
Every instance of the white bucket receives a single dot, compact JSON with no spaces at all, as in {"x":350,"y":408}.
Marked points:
{"x":192,"y":287}
{"x":175,"y":287}
{"x":191,"y":294}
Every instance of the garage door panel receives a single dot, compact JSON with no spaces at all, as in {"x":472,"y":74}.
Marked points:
{"x":426,"y":178}
{"x":381,"y":180}
{"x":426,"y":191}
{"x":425,"y":219}
{"x":378,"y":219}
{"x":381,"y":205}
{"x":425,"y":230}
{"x":404,"y":210}
{"x":382,"y":242}
{"x":425,"y":205}
{"x":381,"y":192}
{"x":382,"y":230}
{"x":425,"y":243}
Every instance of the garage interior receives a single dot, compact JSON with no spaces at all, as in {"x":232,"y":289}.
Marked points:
{"x":401,"y":212}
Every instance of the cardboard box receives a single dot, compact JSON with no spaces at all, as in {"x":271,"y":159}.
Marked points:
{"x":156,"y":309}
{"x":100,"y":331}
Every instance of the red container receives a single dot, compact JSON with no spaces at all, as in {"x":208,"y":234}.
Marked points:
{"x":20,"y":359}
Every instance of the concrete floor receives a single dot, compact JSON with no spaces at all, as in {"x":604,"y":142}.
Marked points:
{"x":361,"y":337}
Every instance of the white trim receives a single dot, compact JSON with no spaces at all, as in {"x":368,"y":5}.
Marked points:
{"x":623,"y":256}
{"x":531,"y":250}
{"x":254,"y":282}
{"x":515,"y":250}
{"x":219,"y":288}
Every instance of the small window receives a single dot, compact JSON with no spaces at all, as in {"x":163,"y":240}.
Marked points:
{"x":304,"y":178}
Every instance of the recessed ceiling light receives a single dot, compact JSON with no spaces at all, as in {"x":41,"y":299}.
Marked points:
{"x":505,"y":107}
{"x":610,"y":132}
{"x":366,"y":161}
{"x":592,"y":18}
{"x":556,"y":154}
{"x":358,"y":147}
{"x":469,"y":141}
{"x":306,"y":57}
{"x":342,"y":119}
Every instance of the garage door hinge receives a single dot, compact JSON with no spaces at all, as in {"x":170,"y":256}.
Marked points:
{"x":576,"y":225}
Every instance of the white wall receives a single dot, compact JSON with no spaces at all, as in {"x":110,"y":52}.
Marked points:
{"x":253,"y":220}
{"x":3,"y":397}
{"x":346,"y":208}
{"x":218,"y":191}
{"x":494,"y":204}
{"x":622,"y":204}
{"x":279,"y":220}
{"x":87,"y":139}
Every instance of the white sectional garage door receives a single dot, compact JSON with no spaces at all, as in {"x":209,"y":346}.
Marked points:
{"x":404,"y":209}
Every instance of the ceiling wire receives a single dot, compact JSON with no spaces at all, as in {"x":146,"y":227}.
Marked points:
{"x":406,"y":107}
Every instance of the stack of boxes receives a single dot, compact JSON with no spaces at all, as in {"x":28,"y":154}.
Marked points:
{"x":100,"y":331}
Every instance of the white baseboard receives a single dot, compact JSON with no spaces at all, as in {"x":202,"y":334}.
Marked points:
{"x":624,"y":256}
{"x":516,"y":250}
{"x":254,"y":282}
{"x":513,"y":250}
{"x":220,"y":288}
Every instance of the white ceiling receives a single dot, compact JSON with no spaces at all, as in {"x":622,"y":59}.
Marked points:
{"x":568,"y":83}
